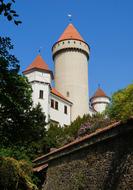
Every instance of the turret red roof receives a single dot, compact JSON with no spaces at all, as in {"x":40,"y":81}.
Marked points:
{"x":38,"y":63}
{"x":71,"y":33}
{"x":99,"y":93}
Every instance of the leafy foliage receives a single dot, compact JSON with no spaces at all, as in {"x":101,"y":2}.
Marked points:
{"x":22,"y":125}
{"x":121,"y":107}
{"x":57,"y":136}
{"x":9,"y":13}
{"x":18,"y":153}
{"x":15,"y":174}
{"x":54,"y":136}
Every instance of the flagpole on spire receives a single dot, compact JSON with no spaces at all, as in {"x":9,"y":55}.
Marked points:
{"x":70,"y":17}
{"x":40,"y":50}
{"x":99,"y":85}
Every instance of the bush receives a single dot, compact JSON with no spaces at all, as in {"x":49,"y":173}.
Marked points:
{"x":15,"y":174}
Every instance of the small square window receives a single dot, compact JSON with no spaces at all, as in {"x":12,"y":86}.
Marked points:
{"x":56,"y":105}
{"x":65,"y":109}
{"x":52,"y":103}
{"x":41,"y":94}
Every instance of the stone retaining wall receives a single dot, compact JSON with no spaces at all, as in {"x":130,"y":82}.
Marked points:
{"x":104,"y":161}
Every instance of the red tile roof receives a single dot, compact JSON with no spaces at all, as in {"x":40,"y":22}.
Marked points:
{"x":71,"y":33}
{"x":38,"y":63}
{"x":55,"y":92}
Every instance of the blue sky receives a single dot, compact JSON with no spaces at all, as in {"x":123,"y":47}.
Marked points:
{"x":106,"y":25}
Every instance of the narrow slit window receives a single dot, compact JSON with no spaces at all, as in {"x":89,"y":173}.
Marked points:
{"x":56,"y":105}
{"x":41,"y":94}
{"x":65,"y":109}
{"x":52,"y":103}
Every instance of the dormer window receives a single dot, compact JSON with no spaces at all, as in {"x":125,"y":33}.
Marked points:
{"x":41,"y":94}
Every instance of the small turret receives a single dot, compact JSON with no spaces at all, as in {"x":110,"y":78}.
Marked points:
{"x":39,"y":71}
{"x":99,"y":100}
{"x":40,"y":77}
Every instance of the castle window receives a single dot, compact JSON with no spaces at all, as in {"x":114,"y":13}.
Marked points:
{"x":56,"y":105}
{"x":65,"y":109}
{"x":41,"y":94}
{"x":63,"y":42}
{"x":52,"y":103}
{"x":67,"y":94}
{"x":69,"y":42}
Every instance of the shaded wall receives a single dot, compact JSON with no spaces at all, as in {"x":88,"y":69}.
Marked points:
{"x":106,"y":164}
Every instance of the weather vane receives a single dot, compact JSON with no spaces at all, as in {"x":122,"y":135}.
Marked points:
{"x":39,"y":51}
{"x":98,"y":85}
{"x":70,"y":17}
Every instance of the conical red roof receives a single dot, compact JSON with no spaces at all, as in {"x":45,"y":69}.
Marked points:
{"x":71,"y":33}
{"x":99,"y":93}
{"x":38,"y":63}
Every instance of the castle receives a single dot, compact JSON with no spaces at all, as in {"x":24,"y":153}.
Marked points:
{"x":69,"y":99}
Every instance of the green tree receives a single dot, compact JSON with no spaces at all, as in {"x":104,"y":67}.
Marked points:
{"x":8,"y":12}
{"x":54,"y":136}
{"x":121,"y":107}
{"x":21,"y":123}
{"x":57,"y":136}
{"x":72,"y":130}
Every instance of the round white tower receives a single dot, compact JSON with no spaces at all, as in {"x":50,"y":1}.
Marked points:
{"x":99,"y":100}
{"x":70,"y":55}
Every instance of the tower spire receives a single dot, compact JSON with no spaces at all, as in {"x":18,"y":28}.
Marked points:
{"x":71,"y":33}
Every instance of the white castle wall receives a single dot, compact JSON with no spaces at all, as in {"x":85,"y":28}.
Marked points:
{"x":71,"y":74}
{"x":59,"y":115}
{"x":40,"y":81}
{"x":39,"y":76}
{"x":43,"y":102}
